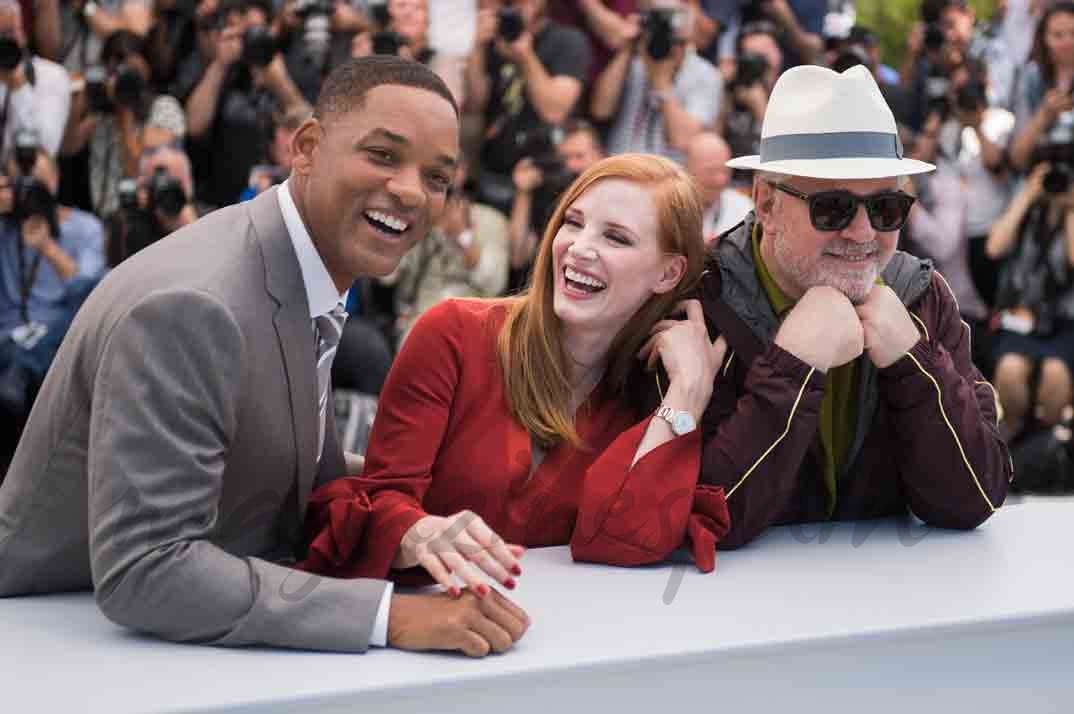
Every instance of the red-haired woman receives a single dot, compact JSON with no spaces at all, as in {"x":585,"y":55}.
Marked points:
{"x":513,"y":422}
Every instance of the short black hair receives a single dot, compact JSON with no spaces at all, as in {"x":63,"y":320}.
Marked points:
{"x":345,"y":88}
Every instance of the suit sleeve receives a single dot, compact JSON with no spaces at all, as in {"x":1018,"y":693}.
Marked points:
{"x":639,"y":515}
{"x":164,"y":413}
{"x":355,"y":524}
{"x":953,"y":463}
{"x":755,"y":452}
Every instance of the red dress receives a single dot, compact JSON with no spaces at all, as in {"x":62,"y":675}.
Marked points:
{"x":444,"y":441}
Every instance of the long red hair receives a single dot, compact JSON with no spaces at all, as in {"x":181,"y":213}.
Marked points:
{"x":534,"y":360}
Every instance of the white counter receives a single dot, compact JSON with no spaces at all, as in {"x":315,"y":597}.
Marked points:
{"x":882,"y":617}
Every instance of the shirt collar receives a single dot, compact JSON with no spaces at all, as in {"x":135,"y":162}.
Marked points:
{"x":321,"y":292}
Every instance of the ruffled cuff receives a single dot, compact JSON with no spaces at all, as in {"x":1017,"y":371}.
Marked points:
{"x":349,"y":536}
{"x":709,"y":522}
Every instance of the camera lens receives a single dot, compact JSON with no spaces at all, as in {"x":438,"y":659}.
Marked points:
{"x":934,"y":38}
{"x":1057,"y":180}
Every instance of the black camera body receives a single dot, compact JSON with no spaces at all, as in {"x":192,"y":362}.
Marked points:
{"x":937,"y":95}
{"x":971,"y":97}
{"x":10,"y":53}
{"x":510,"y":24}
{"x":97,"y":99}
{"x":387,"y":42}
{"x":258,"y":46}
{"x":1061,"y":158}
{"x":935,"y":37}
{"x":166,"y":194}
{"x":750,"y":68}
{"x":379,"y":13}
{"x":658,"y":29}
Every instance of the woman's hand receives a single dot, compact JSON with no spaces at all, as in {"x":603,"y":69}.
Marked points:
{"x":689,"y":357}
{"x":461,"y":545}
{"x":1034,"y":187}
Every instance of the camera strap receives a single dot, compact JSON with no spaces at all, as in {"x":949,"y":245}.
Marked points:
{"x":26,"y":278}
{"x":3,"y":119}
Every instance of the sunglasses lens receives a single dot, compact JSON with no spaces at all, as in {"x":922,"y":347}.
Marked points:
{"x":888,"y":212}
{"x":832,"y":210}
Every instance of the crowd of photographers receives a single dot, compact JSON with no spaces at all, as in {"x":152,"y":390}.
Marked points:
{"x":122,"y":120}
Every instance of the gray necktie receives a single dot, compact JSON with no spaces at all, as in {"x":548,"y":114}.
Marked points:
{"x":329,"y":330}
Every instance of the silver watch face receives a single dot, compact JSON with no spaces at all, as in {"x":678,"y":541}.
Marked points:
{"x":682,"y":423}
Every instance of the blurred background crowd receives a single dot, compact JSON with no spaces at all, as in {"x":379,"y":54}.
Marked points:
{"x":123,"y":120}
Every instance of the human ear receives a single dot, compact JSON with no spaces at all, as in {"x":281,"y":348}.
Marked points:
{"x":304,"y":144}
{"x":674,"y":269}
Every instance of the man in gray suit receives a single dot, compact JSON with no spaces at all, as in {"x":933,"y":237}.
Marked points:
{"x":170,"y":454}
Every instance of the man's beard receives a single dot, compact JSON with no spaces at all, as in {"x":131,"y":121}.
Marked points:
{"x":855,"y":283}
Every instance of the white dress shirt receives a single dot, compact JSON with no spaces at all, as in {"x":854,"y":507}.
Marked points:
{"x":42,"y":106}
{"x":323,"y":296}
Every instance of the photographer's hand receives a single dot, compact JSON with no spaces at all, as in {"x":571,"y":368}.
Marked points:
{"x":486,"y":29}
{"x":7,"y":196}
{"x":518,"y":51}
{"x":1056,"y":101}
{"x":37,"y":235}
{"x":915,"y":43}
{"x":362,"y":45}
{"x":661,"y":73}
{"x":228,"y":46}
{"x":526,"y":176}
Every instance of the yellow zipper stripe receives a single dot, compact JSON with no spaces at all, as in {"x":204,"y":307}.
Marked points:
{"x":995,"y":397}
{"x":939,"y":402}
{"x":727,"y":364}
{"x":790,"y":418}
{"x":919,"y":321}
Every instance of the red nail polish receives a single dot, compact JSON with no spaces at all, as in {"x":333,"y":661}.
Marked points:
{"x":483,"y":590}
{"x":510,"y":584}
{"x":516,"y":570}
{"x":454,"y":592}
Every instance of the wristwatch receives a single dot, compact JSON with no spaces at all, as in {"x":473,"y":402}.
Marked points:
{"x":681,"y":422}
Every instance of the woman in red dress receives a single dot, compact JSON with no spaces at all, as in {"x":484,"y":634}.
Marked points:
{"x":513,"y":422}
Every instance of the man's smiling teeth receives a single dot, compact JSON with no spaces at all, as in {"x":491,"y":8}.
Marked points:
{"x":576,"y":277}
{"x":396,"y":224}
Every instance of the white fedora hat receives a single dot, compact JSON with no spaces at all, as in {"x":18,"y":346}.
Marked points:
{"x":824,"y":124}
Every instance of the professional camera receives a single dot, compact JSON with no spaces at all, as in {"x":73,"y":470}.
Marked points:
{"x":1061,"y":158}
{"x":316,"y":28}
{"x":541,"y":144}
{"x":10,"y":53}
{"x":387,"y":42}
{"x":849,"y":57}
{"x":258,"y":46}
{"x":934,"y":38}
{"x":379,"y":13}
{"x":510,"y":24}
{"x":166,"y":193}
{"x":937,"y":94}
{"x":971,"y":97}
{"x":26,"y":148}
{"x":127,"y":193}
{"x":658,"y":28}
{"x":751,"y":10}
{"x":128,"y":89}
{"x":750,"y":68}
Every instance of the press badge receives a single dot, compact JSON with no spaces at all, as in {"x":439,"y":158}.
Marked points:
{"x":27,"y":336}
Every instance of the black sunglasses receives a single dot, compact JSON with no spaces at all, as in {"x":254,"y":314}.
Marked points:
{"x":834,"y":210}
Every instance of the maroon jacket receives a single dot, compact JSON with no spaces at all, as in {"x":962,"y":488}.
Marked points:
{"x":926,"y":438}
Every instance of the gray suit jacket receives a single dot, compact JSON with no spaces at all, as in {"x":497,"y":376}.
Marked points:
{"x":170,"y":454}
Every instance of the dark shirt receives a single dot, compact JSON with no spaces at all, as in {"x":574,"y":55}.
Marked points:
{"x":239,"y":136}
{"x":510,"y":114}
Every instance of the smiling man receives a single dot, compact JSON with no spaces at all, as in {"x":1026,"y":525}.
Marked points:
{"x":168,"y":460}
{"x":849,"y":392}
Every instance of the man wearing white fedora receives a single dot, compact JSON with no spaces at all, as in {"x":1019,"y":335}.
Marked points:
{"x":849,"y":391}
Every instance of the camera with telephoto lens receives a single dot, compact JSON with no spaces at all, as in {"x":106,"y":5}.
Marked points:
{"x":387,"y":42}
{"x":658,"y":28}
{"x":510,"y":24}
{"x":258,"y":46}
{"x":128,"y":89}
{"x":10,"y":53}
{"x":316,"y":29}
{"x":166,"y":193}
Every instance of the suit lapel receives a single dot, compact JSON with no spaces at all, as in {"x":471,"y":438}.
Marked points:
{"x":283,"y":280}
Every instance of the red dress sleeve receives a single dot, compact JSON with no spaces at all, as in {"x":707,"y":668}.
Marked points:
{"x":354,"y":525}
{"x":639,"y":515}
